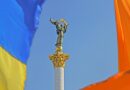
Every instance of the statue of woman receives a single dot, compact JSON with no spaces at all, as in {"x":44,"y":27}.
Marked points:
{"x":61,"y":26}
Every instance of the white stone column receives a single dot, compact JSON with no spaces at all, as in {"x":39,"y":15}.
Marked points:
{"x":58,"y":59}
{"x":59,"y":78}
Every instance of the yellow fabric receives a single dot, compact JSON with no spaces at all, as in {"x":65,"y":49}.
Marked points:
{"x":12,"y":72}
{"x":122,"y":8}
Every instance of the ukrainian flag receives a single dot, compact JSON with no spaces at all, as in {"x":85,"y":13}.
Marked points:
{"x":18,"y":23}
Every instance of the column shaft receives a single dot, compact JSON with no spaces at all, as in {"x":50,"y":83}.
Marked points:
{"x":59,"y":78}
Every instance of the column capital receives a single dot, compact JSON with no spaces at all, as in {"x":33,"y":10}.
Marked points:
{"x":59,"y":58}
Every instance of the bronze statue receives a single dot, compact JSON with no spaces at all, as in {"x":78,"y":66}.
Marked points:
{"x":61,"y":26}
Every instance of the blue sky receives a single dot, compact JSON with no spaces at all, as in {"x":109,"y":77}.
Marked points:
{"x":90,"y":40}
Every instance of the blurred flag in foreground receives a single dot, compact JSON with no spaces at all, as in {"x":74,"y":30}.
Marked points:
{"x":18,"y":23}
{"x":122,"y":8}
{"x":120,"y":81}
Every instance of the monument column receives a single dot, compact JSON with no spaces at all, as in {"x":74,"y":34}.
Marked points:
{"x":59,"y":57}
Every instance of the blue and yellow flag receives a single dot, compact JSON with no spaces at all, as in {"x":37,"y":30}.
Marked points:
{"x":18,"y":24}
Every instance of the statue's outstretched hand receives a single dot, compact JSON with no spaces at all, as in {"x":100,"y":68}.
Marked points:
{"x":53,"y":21}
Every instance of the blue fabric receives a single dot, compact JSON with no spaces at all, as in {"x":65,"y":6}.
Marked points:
{"x":18,"y":23}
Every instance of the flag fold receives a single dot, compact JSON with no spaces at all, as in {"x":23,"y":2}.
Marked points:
{"x":18,"y":24}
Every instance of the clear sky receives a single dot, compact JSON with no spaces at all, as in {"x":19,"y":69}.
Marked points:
{"x":90,"y":40}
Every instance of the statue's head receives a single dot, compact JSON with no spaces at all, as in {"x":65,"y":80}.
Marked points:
{"x":64,"y":22}
{"x":61,"y":24}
